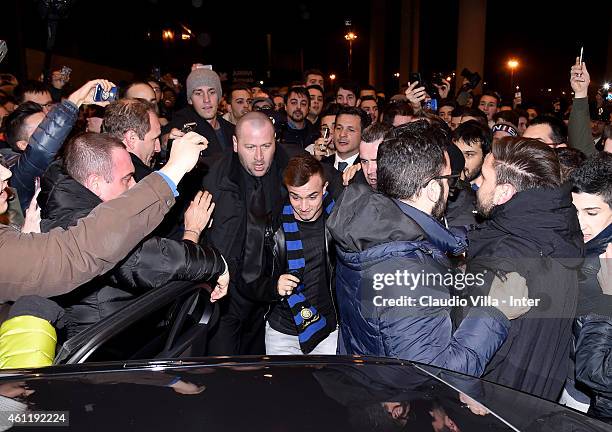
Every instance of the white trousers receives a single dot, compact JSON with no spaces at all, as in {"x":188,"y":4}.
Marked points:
{"x":278,"y":343}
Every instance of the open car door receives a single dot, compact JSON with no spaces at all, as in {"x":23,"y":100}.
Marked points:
{"x":169,"y":322}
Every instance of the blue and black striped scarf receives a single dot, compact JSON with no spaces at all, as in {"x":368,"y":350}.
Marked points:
{"x":311,"y":326}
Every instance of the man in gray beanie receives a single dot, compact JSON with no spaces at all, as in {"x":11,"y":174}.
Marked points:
{"x":203,"y":95}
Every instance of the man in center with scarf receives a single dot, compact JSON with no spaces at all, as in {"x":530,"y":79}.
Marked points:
{"x":302,"y":317}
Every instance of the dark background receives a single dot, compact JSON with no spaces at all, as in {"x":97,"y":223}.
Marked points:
{"x":544,"y":35}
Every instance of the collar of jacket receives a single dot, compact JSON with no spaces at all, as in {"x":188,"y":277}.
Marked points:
{"x":141,"y":170}
{"x":64,"y":200}
{"x":231,"y":182}
{"x":543,"y":217}
{"x":598,"y":245}
{"x":437,"y":234}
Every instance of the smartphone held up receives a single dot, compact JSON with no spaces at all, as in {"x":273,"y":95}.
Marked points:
{"x":101,"y":95}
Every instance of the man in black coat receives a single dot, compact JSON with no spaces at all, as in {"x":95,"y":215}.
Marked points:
{"x":247,"y":189}
{"x":97,"y":168}
{"x":203,"y":94}
{"x":531,"y":237}
{"x":296,"y":129}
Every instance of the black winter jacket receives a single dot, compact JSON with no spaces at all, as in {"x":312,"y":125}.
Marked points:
{"x":44,"y":144}
{"x":537,"y":235}
{"x":153,"y":263}
{"x":300,"y":137}
{"x":593,"y":332}
{"x":228,"y":231}
{"x":189,"y":115}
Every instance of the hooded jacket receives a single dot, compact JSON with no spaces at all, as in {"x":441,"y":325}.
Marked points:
{"x":153,"y":263}
{"x":536,"y":234}
{"x":375,"y":236}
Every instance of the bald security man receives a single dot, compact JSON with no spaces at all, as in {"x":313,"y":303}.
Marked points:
{"x":247,"y":181}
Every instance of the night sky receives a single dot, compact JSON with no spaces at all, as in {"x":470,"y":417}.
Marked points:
{"x":544,"y":35}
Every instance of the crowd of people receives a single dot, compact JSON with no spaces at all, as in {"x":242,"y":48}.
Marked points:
{"x":470,"y":233}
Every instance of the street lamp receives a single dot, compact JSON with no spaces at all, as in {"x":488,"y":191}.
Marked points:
{"x":512,"y":64}
{"x":167,"y":35}
{"x":350,"y":37}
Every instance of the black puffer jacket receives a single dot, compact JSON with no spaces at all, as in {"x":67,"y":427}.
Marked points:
{"x":593,"y":332}
{"x":153,"y":263}
{"x":536,"y":234}
{"x":44,"y":143}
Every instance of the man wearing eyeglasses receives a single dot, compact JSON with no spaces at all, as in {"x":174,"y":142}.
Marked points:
{"x":393,"y":281}
{"x":34,"y":91}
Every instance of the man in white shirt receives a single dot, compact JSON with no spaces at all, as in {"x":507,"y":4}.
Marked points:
{"x":350,"y":122}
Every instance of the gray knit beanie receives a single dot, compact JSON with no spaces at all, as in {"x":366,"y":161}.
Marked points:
{"x":203,"y":77}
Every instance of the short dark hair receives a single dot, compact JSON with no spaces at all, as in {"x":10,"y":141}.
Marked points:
{"x":300,"y":169}
{"x":522,"y":113}
{"x":375,"y":132}
{"x":525,"y":163}
{"x":472,"y":132}
{"x":508,"y":116}
{"x":449,"y":103}
{"x":367,"y":98}
{"x":316,"y":87}
{"x":127,"y":114}
{"x":29,"y":86}
{"x":354,"y":111}
{"x":409,"y":160}
{"x":491,"y":93}
{"x":570,"y":159}
{"x":298,"y":91}
{"x":312,"y":72}
{"x":15,"y":122}
{"x":331,"y":109}
{"x":91,"y":153}
{"x":458,"y":111}
{"x":558,"y":129}
{"x":396,"y":108}
{"x":475,"y":112}
{"x":237,"y":87}
{"x":595,"y":177}
{"x":350,"y":86}
{"x":368,"y":87}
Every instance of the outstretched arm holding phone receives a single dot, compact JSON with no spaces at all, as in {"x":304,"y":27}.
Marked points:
{"x":48,"y":138}
{"x":579,"y":127}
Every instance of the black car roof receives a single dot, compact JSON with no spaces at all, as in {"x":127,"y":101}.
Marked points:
{"x":314,"y":393}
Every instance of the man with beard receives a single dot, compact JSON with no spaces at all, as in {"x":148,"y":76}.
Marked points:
{"x":385,"y":239}
{"x":532,"y":235}
{"x":474,"y":141}
{"x":297,"y":130}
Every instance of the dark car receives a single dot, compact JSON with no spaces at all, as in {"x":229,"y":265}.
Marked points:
{"x":273,"y":394}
